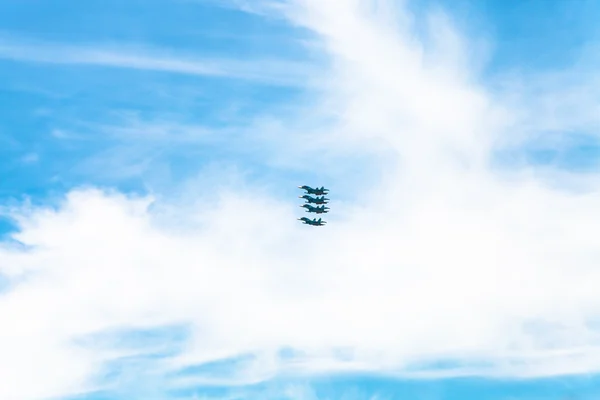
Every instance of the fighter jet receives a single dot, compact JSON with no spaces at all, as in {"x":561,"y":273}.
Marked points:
{"x":313,"y":222}
{"x":318,"y":191}
{"x":318,"y":210}
{"x":315,"y":200}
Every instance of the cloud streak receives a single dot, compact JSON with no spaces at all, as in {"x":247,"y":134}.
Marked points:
{"x":445,"y":260}
{"x":267,"y":71}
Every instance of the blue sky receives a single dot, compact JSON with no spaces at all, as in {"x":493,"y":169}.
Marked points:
{"x":149,"y":157}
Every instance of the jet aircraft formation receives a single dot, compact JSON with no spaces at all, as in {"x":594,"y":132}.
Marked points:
{"x":322,"y":209}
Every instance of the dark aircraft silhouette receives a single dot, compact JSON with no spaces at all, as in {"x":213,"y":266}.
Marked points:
{"x":318,"y":210}
{"x":313,"y":222}
{"x":318,"y":191}
{"x":315,"y":200}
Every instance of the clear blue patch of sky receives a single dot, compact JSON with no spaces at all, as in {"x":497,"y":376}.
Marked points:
{"x":167,"y":339}
{"x":581,"y":153}
{"x":541,"y":34}
{"x":367,"y":387}
{"x":215,"y":369}
{"x":364,"y":386}
{"x":195,"y":25}
{"x":360,"y":386}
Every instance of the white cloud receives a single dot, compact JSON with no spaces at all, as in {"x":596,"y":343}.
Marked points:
{"x":444,"y":259}
{"x":30,"y":158}
{"x":270,"y":71}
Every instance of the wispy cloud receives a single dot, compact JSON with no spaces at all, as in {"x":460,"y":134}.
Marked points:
{"x":30,"y":158}
{"x":268,"y":71}
{"x":446,"y":261}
